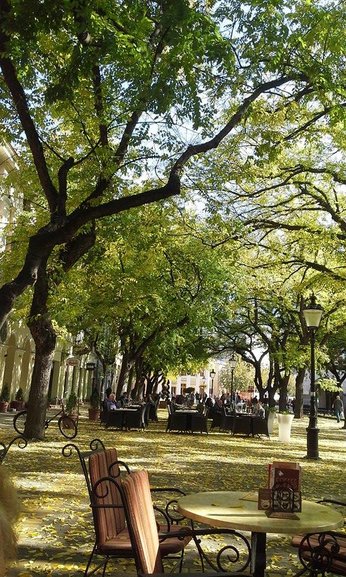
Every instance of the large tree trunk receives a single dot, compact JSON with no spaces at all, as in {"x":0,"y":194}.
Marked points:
{"x":45,"y":340}
{"x":44,"y":336}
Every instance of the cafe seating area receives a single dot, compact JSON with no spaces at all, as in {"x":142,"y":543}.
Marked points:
{"x":240,"y":423}
{"x":186,"y":420}
{"x":126,"y":522}
{"x":316,"y":540}
{"x":129,"y":417}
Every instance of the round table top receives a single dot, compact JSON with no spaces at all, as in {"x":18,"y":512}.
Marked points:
{"x":239,"y":510}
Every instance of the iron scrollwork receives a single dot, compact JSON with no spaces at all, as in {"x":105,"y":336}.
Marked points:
{"x":20,"y":441}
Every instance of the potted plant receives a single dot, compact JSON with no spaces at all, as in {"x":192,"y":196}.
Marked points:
{"x":4,"y":398}
{"x":71,"y":405}
{"x":285,"y":419}
{"x":18,"y":403}
{"x":94,"y":409}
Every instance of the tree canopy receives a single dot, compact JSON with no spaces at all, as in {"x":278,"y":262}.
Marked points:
{"x":113,"y":105}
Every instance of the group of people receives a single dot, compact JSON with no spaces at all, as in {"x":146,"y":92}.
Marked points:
{"x":110,"y":403}
{"x":218,"y":404}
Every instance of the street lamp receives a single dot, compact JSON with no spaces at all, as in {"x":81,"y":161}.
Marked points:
{"x":232,"y":364}
{"x":312,"y":315}
{"x":212,"y":376}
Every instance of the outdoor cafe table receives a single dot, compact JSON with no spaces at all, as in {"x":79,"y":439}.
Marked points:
{"x":117,"y":417}
{"x":238,"y":510}
{"x":185,"y":419}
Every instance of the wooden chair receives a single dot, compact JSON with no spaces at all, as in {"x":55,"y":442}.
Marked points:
{"x":322,"y":553}
{"x":146,"y":540}
{"x":101,"y":469}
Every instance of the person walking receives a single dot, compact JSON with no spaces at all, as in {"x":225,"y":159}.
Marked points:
{"x":338,"y":407}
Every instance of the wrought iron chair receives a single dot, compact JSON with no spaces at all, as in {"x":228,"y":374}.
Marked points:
{"x":101,"y":467}
{"x":322,"y":553}
{"x":20,"y":441}
{"x":146,"y":540}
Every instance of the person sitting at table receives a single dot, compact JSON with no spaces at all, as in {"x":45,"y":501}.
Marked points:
{"x":111,"y":402}
{"x":259,"y":410}
{"x":124,"y":400}
{"x":108,"y":391}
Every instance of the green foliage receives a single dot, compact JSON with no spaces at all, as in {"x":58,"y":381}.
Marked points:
{"x":71,"y":403}
{"x":19,"y":395}
{"x":95,"y":399}
{"x":172,"y":75}
{"x":159,"y":285}
{"x":330,"y":385}
{"x":5,"y":394}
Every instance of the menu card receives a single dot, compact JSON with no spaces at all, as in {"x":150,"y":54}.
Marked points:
{"x":282,"y":497}
{"x":285,"y":474}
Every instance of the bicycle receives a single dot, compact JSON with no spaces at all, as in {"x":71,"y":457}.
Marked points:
{"x":67,"y":425}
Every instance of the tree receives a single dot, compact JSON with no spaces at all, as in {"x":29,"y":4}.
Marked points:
{"x":159,"y":284}
{"x":94,"y":100}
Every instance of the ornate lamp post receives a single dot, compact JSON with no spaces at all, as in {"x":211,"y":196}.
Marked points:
{"x":232,"y":364}
{"x":312,"y":315}
{"x":212,"y":376}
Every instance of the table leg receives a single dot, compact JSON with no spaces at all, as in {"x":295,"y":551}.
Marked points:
{"x":258,"y":554}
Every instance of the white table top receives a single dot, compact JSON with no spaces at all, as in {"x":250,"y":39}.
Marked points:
{"x":126,"y":409}
{"x":238,"y":510}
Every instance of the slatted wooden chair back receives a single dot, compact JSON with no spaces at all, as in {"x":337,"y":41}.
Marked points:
{"x":141,"y":522}
{"x":108,"y":511}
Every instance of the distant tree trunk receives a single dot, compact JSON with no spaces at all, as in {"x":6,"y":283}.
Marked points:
{"x":283,"y":393}
{"x":124,"y":373}
{"x":271,"y":393}
{"x":130,"y":381}
{"x":298,"y":409}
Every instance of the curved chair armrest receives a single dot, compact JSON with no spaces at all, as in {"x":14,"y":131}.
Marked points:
{"x":167,"y":490}
{"x":333,"y":502}
{"x":170,"y":503}
{"x":233,"y":574}
{"x":239,"y":547}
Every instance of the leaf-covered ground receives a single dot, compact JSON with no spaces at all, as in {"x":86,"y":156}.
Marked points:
{"x":55,"y":532}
